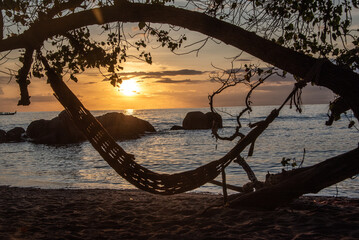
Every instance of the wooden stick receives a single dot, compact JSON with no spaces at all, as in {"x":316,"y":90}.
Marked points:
{"x":224,"y":186}
{"x":229,"y":186}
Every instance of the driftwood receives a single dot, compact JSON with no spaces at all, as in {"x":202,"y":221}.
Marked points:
{"x":301,"y":181}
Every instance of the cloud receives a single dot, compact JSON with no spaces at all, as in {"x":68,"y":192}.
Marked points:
{"x":169,"y":80}
{"x":48,"y":98}
{"x":8,"y":104}
{"x":243,"y":60}
{"x":277,"y":79}
{"x":276,"y":94}
{"x":160,"y":74}
{"x":122,"y":78}
{"x":163,"y":76}
{"x":183,"y":72}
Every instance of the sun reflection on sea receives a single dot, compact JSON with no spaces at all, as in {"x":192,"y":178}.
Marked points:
{"x":128,"y":111}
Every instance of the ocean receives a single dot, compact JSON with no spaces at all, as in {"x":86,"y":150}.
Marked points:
{"x":75,"y":166}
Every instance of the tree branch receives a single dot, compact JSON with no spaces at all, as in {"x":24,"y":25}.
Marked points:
{"x":341,"y":81}
{"x":337,"y":107}
{"x":23,"y":77}
{"x":136,"y":12}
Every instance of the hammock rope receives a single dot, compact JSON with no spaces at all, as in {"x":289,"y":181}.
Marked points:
{"x":124,"y":164}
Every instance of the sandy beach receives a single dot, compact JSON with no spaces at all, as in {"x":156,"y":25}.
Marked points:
{"x":29,"y":213}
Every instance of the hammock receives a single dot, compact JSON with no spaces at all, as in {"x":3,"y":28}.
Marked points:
{"x":124,"y":164}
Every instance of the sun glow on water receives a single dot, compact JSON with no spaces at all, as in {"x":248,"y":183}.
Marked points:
{"x":129,"y":87}
{"x":129,"y":111}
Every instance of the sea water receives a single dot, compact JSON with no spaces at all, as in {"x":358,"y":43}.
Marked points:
{"x":27,"y":164}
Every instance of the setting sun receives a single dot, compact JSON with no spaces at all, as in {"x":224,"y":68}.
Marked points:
{"x":129,"y":87}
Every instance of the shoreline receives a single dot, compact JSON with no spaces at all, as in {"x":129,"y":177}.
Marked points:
{"x":33,"y":213}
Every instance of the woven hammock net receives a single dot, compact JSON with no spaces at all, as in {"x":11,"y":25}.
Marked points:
{"x":124,"y":164}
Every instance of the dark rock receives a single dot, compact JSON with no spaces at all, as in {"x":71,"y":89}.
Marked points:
{"x":195,"y":120}
{"x":199,"y":120}
{"x":37,"y":128}
{"x":73,"y":135}
{"x":61,"y":129}
{"x":214,"y":117}
{"x":39,"y":131}
{"x":15,"y":135}
{"x":2,"y":136}
{"x":176,"y":128}
{"x":122,"y":126}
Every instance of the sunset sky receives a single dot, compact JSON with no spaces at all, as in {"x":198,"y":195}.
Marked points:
{"x":172,"y":81}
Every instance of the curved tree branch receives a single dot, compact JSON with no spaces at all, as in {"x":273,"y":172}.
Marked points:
{"x":136,"y":12}
{"x":341,"y":81}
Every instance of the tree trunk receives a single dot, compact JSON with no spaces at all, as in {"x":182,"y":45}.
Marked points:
{"x":307,"y":180}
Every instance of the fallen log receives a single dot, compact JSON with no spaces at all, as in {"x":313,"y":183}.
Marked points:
{"x":303,"y":181}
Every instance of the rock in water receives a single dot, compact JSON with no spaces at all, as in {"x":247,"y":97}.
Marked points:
{"x":122,"y":126}
{"x":214,"y":117}
{"x":15,"y":135}
{"x":199,"y":120}
{"x":61,"y":129}
{"x":2,"y":136}
{"x":175,"y":127}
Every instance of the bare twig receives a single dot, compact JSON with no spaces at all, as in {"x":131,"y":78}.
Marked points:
{"x":224,"y":186}
{"x":230,"y":78}
{"x":301,"y":162}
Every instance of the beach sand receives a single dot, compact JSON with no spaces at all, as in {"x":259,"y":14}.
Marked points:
{"x":30,"y":213}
